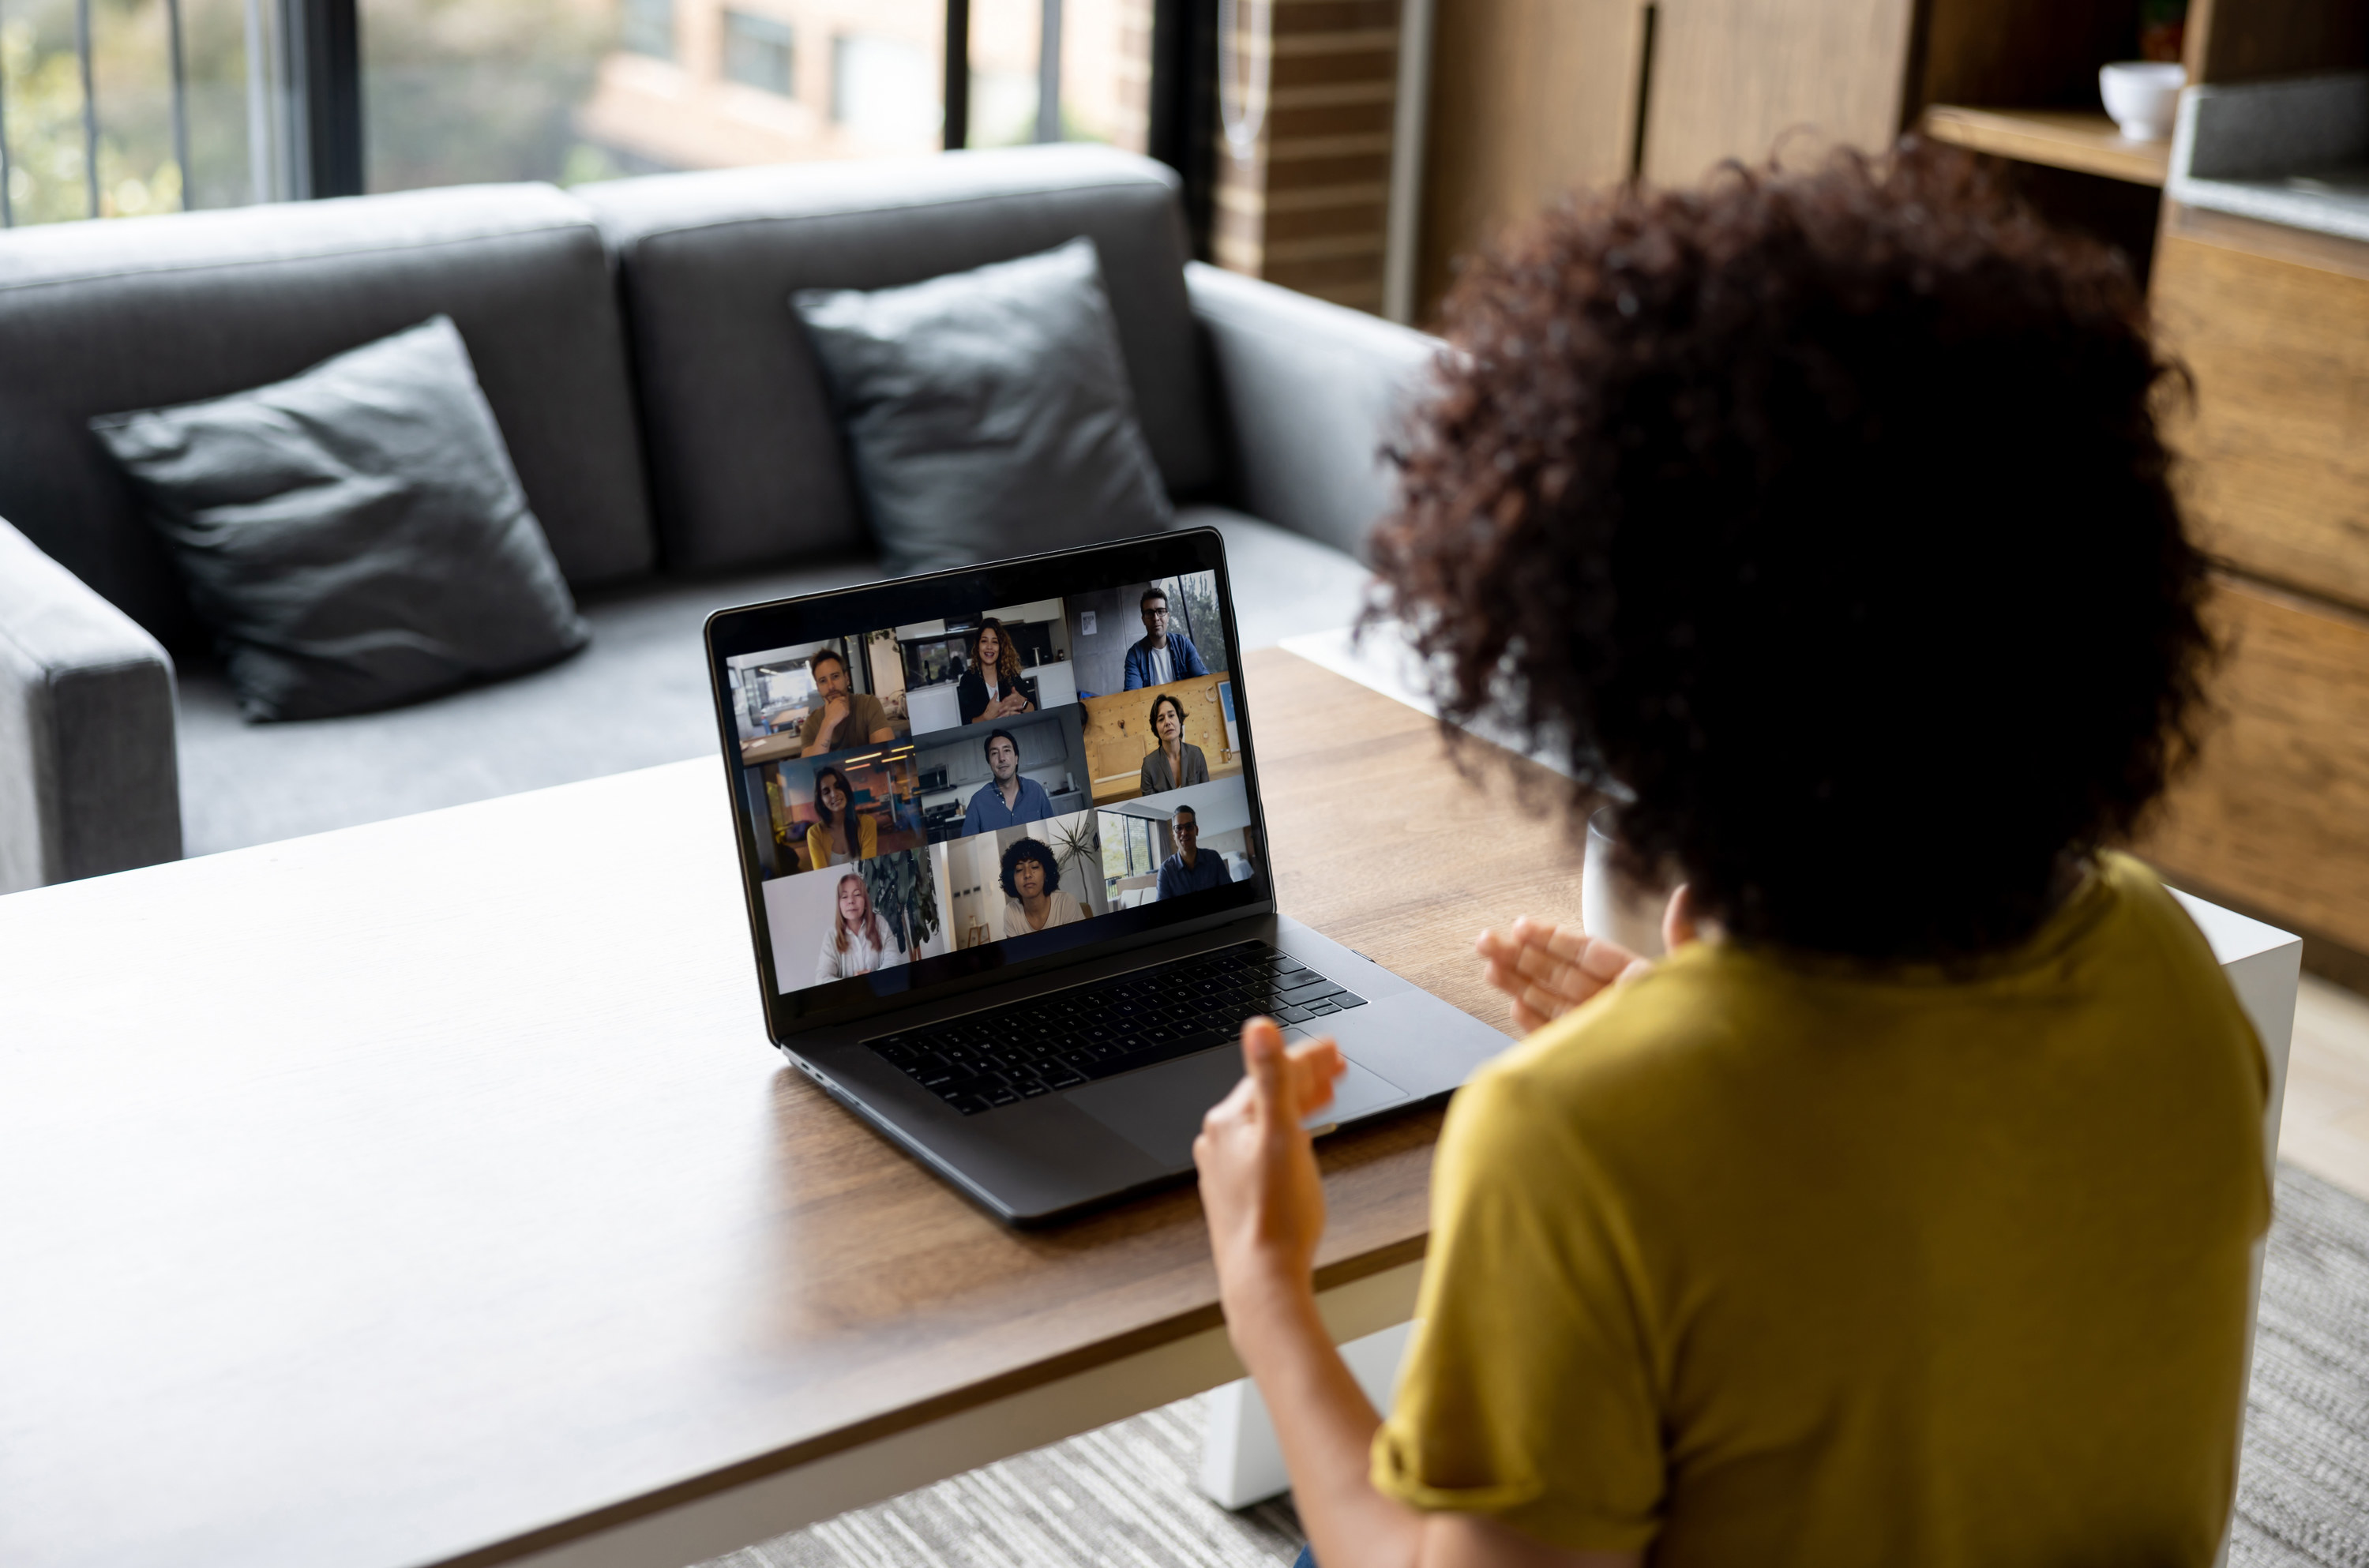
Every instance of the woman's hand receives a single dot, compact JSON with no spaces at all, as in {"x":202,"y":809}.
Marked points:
{"x":1548,"y":969}
{"x":1259,"y":1185}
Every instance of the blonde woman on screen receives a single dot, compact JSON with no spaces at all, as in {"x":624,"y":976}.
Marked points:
{"x":859,"y":942}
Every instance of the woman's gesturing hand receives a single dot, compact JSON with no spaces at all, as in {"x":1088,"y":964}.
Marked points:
{"x":1548,"y":969}
{"x":1259,"y":1185}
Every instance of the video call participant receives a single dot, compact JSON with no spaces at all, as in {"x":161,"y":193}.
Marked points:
{"x":1011,"y":797}
{"x":844,"y":715}
{"x":1032,"y":889}
{"x":1175,"y":762}
{"x":1188,"y":870}
{"x":828,"y":842}
{"x":859,"y":942}
{"x":993,"y":686}
{"x":1160,"y":656}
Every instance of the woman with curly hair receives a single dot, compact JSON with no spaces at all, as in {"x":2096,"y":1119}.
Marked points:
{"x":1172,"y":761}
{"x":993,"y":686}
{"x":1031,"y":889}
{"x":841,"y":833}
{"x":1902,"y":1213}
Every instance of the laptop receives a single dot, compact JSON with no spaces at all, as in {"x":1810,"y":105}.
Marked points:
{"x":1012,"y":910}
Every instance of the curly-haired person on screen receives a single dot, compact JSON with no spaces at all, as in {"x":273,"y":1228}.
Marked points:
{"x":1900,"y":1215}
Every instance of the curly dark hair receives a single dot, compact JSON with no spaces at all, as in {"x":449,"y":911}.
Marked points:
{"x":1171,"y":698}
{"x":1031,"y":848}
{"x":1820,"y":518}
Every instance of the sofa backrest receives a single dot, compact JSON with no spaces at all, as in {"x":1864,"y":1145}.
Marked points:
{"x":136,"y":313}
{"x":747,"y":459}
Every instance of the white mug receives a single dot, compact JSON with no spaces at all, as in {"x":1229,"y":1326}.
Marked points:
{"x":1609,"y":904}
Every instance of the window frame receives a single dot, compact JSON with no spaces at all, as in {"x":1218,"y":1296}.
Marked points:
{"x":325,"y":59}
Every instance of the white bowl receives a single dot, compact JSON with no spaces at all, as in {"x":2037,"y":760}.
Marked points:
{"x":2142,"y":95}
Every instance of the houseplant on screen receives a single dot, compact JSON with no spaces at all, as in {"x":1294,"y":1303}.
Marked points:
{"x":905,"y":891}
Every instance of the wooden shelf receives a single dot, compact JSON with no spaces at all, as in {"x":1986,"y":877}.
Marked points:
{"x":2082,"y":140}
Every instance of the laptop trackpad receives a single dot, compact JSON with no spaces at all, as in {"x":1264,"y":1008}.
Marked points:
{"x":1160,"y":1109}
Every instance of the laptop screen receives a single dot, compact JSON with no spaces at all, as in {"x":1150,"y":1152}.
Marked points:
{"x":945,"y":780}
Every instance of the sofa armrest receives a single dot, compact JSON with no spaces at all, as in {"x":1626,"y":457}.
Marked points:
{"x":1313,"y":391}
{"x":88,"y":780}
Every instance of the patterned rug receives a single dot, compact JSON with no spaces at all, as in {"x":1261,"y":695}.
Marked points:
{"x":2303,"y":1486}
{"x":1125,"y":1494}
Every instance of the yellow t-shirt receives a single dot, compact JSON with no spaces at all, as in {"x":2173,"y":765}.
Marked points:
{"x":1768,"y":1262}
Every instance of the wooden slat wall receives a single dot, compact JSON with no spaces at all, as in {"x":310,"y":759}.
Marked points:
{"x":1310,"y":208}
{"x":1528,"y":99}
{"x":1731,"y":77}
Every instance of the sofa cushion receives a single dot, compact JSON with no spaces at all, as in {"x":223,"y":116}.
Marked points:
{"x":355,"y":536}
{"x":138,"y":313}
{"x":747,"y":463}
{"x":986,"y":411}
{"x":638,"y":696}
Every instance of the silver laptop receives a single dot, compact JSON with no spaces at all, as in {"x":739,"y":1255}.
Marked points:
{"x":1008,"y":873}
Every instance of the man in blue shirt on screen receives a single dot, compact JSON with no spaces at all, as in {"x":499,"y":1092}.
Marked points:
{"x":1160,"y":656}
{"x":1188,"y":870}
{"x":1011,"y":797}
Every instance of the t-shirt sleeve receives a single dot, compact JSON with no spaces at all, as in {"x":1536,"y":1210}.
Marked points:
{"x":1529,"y":1390}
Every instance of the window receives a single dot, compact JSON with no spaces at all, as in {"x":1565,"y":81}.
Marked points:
{"x":884,"y":91}
{"x":122,"y":106}
{"x":648,"y":27}
{"x":759,"y":51}
{"x":142,"y":105}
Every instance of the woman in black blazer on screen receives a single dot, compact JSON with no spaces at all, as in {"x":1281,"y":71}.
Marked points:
{"x":997,"y":656}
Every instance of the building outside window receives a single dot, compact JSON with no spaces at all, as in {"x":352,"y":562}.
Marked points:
{"x":647,"y":27}
{"x":760,"y":52}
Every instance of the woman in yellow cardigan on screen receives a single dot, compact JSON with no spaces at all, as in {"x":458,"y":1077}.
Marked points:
{"x":829,"y":841}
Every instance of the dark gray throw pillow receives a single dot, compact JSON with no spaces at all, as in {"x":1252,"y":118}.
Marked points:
{"x":355,"y":536}
{"x":987,"y":411}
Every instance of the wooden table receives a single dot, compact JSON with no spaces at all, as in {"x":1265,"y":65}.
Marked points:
{"x":428,"y":1193}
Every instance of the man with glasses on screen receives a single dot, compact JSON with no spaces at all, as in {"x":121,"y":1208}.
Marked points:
{"x":1188,"y":870}
{"x":1160,"y":656}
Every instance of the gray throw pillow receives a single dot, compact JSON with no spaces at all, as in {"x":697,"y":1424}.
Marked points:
{"x":354,"y":536}
{"x":987,"y":411}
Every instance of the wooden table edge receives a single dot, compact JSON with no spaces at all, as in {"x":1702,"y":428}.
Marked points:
{"x":869,"y":1461}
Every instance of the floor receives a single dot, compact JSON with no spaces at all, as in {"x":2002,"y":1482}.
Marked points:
{"x":2326,"y":1126}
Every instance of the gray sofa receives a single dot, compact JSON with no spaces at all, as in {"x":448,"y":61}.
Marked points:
{"x":670,"y":426}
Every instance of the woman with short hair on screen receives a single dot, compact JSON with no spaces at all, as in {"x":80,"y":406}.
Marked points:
{"x":1033,"y":898}
{"x":841,"y":833}
{"x":993,"y":686}
{"x":1901,"y":1213}
{"x":1172,"y":761}
{"x":859,"y":941}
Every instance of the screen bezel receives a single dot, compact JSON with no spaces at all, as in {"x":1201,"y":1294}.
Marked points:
{"x":756,"y":628}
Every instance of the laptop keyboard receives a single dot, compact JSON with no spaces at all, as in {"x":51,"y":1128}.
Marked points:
{"x":985,"y":1059}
